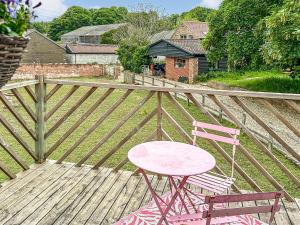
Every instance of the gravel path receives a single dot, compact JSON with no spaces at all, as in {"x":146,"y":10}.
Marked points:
{"x":286,"y":134}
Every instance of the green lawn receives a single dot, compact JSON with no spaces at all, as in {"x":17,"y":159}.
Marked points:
{"x":143,"y":134}
{"x":265,"y":81}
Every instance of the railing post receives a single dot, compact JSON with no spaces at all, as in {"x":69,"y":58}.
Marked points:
{"x":40,"y":91}
{"x":159,"y":116}
{"x":143,"y":79}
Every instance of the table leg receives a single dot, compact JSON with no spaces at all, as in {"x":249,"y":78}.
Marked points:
{"x":176,"y":194}
{"x":163,"y":218}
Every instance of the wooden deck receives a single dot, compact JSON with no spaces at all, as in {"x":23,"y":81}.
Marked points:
{"x":64,"y":194}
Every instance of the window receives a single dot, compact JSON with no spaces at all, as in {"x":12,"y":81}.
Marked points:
{"x":183,"y":36}
{"x":180,"y":63}
{"x":190,"y":37}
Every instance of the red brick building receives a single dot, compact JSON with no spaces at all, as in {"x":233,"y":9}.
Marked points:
{"x":181,"y":51}
{"x":185,"y":59}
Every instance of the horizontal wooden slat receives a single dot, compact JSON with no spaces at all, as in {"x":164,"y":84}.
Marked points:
{"x":18,"y":85}
{"x":216,"y":128}
{"x":214,"y":137}
{"x":182,"y":90}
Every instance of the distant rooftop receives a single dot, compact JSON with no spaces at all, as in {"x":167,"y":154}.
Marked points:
{"x":93,"y":30}
{"x":91,"y":49}
{"x":191,"y":46}
{"x":198,"y":29}
{"x":162,"y":36}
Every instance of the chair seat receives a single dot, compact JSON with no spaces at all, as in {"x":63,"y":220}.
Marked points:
{"x":213,"y":182}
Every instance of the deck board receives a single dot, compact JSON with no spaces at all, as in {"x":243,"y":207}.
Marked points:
{"x":64,"y":194}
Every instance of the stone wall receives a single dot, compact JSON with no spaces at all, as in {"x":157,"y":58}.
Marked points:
{"x":28,"y":71}
{"x":40,"y":49}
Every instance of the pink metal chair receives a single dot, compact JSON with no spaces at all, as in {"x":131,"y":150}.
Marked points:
{"x":214,"y":216}
{"x":210,"y":181}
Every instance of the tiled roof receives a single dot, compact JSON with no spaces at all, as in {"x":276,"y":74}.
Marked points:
{"x":162,"y":36}
{"x":198,"y":29}
{"x":93,"y":30}
{"x":191,"y":46}
{"x":91,"y":49}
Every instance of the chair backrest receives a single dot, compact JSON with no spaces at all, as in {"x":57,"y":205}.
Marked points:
{"x":203,"y":133}
{"x":214,"y":213}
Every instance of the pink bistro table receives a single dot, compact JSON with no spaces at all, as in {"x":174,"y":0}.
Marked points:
{"x":171,"y":159}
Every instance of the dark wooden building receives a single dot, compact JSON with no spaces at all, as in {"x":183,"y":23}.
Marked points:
{"x":184,"y":58}
{"x":43,"y":50}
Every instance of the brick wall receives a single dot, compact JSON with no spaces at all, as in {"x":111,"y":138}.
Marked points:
{"x":190,"y":70}
{"x":28,"y":71}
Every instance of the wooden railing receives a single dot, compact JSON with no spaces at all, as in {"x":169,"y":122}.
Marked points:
{"x":96,"y":124}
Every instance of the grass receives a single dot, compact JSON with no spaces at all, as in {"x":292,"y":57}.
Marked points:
{"x":264,"y":81}
{"x":140,"y":137}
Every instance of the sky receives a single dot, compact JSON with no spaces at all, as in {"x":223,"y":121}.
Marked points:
{"x":53,"y":8}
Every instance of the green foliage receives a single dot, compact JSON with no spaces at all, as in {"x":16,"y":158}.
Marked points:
{"x":282,"y":35}
{"x":133,"y":56}
{"x":198,"y":13}
{"x":265,"y":81}
{"x":109,"y":37}
{"x":233,"y":32}
{"x":74,"y":18}
{"x":14,"y":23}
{"x":108,"y":15}
{"x":42,"y":27}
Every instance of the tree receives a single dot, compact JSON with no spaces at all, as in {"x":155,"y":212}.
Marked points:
{"x":233,"y":32}
{"x":42,"y":27}
{"x":108,"y":37}
{"x":198,"y":13}
{"x":142,"y":23}
{"x":282,"y":35}
{"x":74,"y":18}
{"x":133,"y":56}
{"x":108,"y":15}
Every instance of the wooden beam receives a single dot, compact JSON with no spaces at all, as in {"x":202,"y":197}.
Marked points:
{"x":18,"y":85}
{"x":181,"y":90}
{"x":61,"y":102}
{"x":17,"y":115}
{"x":24,"y":104}
{"x":52,"y":92}
{"x":95,"y":126}
{"x":7,"y":171}
{"x":279,"y":116}
{"x":40,"y":144}
{"x":30,"y":93}
{"x":115,"y":129}
{"x":70,"y":112}
{"x":13,"y":154}
{"x":15,"y":134}
{"x":79,"y":122}
{"x":125,"y":139}
{"x":267,"y":128}
{"x":166,"y":135}
{"x":159,"y":116}
{"x":293,"y":105}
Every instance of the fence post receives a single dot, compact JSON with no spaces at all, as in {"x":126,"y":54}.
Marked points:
{"x":159,"y":116}
{"x":175,"y":86}
{"x":152,"y":81}
{"x":143,"y":79}
{"x":40,"y":91}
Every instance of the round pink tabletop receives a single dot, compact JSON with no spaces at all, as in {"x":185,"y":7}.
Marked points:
{"x":171,"y":158}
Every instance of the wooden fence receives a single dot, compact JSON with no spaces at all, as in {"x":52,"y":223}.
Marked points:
{"x":96,"y":124}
